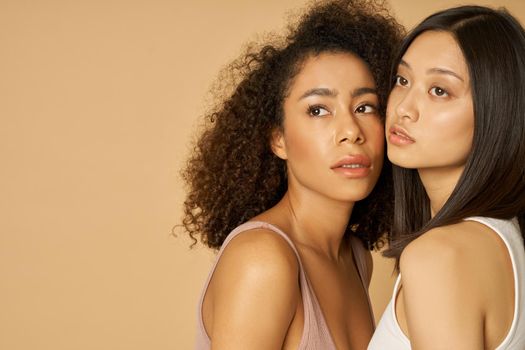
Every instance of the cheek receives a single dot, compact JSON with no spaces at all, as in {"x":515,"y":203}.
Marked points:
{"x":374,"y":132}
{"x":455,"y":126}
{"x":304,"y":142}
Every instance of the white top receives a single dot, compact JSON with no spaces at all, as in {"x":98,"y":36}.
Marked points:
{"x":388,"y":334}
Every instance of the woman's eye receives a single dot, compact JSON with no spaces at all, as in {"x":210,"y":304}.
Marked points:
{"x":439,"y":92}
{"x":317,"y":111}
{"x":399,"y":80}
{"x":366,"y":109}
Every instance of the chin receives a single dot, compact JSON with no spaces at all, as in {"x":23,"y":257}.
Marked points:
{"x":403,"y":159}
{"x":354,"y":195}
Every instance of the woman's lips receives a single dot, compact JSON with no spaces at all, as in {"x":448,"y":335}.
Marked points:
{"x":399,"y":137}
{"x":353,"y":166}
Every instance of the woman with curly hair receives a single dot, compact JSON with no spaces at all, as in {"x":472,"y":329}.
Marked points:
{"x":287,"y":182}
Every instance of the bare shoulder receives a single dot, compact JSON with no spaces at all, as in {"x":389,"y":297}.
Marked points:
{"x":454,"y":267}
{"x":257,"y":259}
{"x":444,"y":278}
{"x":258,"y":252}
{"x":431,"y":259}
{"x":456,"y":249}
{"x":450,"y":264}
{"x":254,"y":292}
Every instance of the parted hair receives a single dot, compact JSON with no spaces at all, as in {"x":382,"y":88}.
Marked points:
{"x":493,"y":181}
{"x":232,"y":174}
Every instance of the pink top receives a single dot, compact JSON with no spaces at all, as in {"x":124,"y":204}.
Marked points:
{"x":316,"y":334}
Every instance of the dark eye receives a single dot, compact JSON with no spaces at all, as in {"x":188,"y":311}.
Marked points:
{"x":439,"y":92}
{"x":317,"y":111}
{"x":399,"y":80}
{"x":366,"y":109}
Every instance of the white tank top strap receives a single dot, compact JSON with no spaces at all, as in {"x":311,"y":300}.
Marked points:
{"x":389,"y":335}
{"x":510,"y":234}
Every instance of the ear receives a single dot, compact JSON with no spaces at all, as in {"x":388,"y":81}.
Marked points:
{"x":278,"y":144}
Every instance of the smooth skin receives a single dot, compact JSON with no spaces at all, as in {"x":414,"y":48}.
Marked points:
{"x":254,"y":298}
{"x":457,"y":281}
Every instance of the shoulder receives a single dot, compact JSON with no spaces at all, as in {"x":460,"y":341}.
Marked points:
{"x":444,"y":283}
{"x":422,"y":253}
{"x":256,"y":278}
{"x":260,"y":249}
{"x":256,"y":259}
{"x":454,"y":249}
{"x":454,"y":264}
{"x":430,"y":264}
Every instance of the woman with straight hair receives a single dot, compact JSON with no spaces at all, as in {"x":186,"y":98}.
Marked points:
{"x":287,"y":183}
{"x":456,"y":136}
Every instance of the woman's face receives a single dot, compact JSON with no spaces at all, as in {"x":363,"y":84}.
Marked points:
{"x":430,"y":117}
{"x":333,"y":136}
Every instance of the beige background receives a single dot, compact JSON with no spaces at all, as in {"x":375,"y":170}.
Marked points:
{"x":98,"y":102}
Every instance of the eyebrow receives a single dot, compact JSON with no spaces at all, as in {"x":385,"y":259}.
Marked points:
{"x":364,"y":91}
{"x":444,"y":71}
{"x":333,"y":93}
{"x":319,"y":92}
{"x":435,"y":70}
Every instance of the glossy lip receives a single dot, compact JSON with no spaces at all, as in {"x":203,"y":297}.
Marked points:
{"x":399,"y":136}
{"x":353,"y":173}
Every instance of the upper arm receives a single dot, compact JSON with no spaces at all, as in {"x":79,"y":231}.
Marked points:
{"x":441,"y":296}
{"x":255,"y":292}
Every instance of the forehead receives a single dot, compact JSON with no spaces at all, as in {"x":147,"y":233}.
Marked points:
{"x":343,"y":69}
{"x":436,"y":49}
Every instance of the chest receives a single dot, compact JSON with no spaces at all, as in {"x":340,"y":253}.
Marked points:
{"x":343,"y":300}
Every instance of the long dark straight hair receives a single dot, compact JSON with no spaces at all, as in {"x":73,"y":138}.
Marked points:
{"x":493,"y":181}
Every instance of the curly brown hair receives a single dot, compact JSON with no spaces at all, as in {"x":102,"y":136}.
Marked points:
{"x":232,"y":173}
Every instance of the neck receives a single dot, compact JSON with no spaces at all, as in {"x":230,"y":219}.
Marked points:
{"x":315,"y":221}
{"x":439,"y":184}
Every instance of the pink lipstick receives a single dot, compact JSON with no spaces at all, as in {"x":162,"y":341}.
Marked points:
{"x":399,"y":136}
{"x":353,"y":166}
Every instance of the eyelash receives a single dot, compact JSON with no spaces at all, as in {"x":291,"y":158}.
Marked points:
{"x":313,"y":108}
{"x":374,"y":108}
{"x":399,"y":78}
{"x":445,"y":93}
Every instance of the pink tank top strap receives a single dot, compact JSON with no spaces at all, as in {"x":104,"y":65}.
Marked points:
{"x":363,"y":267}
{"x":316,"y":334}
{"x":251,"y":225}
{"x":359,"y":252}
